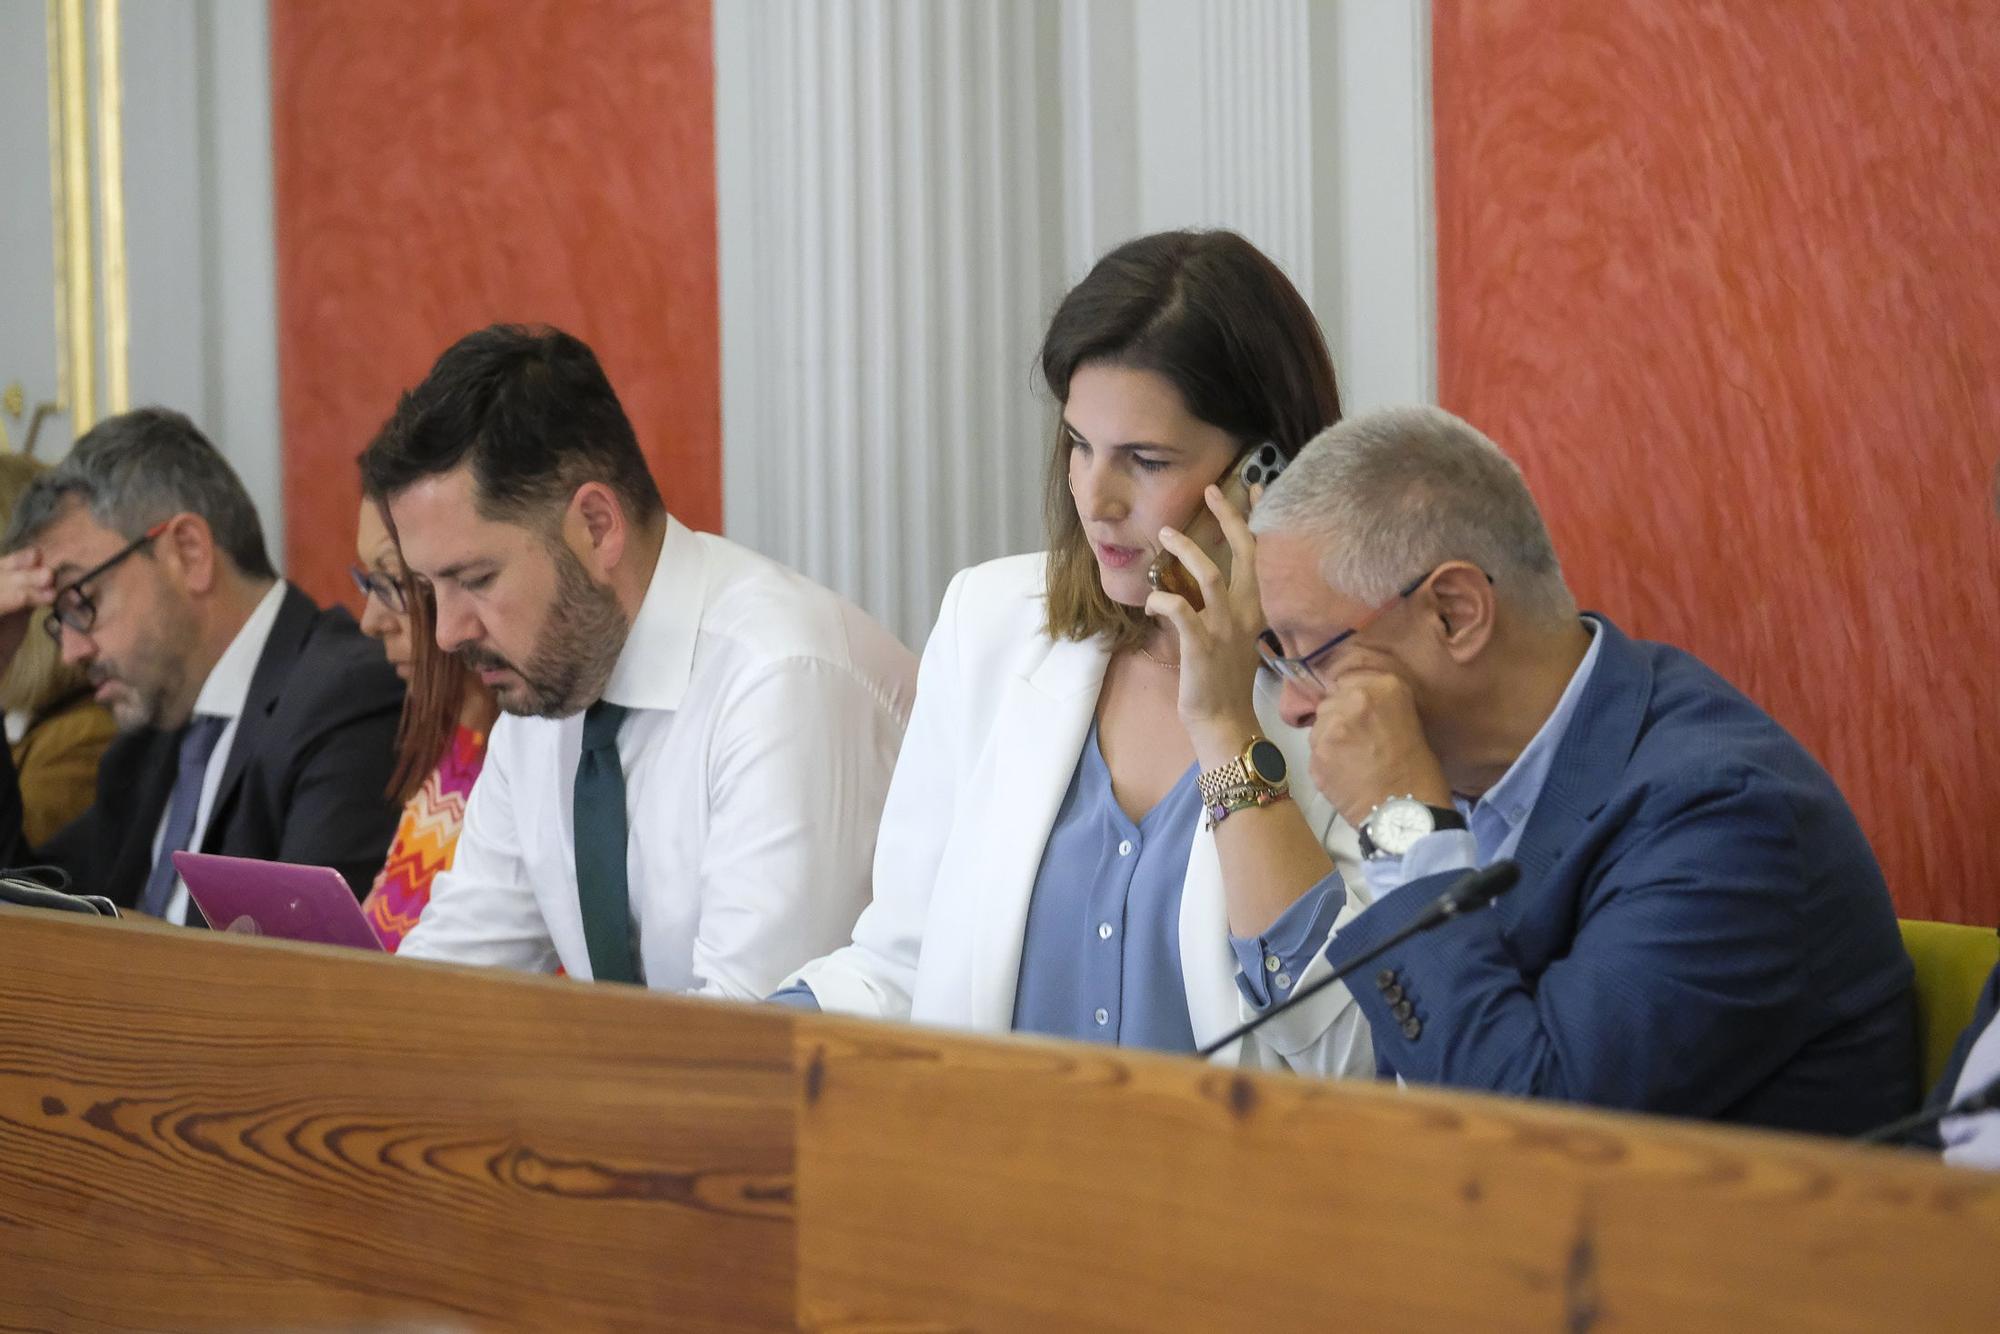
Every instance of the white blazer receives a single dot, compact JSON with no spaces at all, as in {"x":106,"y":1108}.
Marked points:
{"x":1001,"y":716}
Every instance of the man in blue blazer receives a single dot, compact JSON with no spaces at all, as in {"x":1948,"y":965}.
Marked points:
{"x":1700,"y":927}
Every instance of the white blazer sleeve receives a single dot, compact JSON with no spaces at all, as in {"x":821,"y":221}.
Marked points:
{"x":876,"y":974}
{"x":483,"y":910}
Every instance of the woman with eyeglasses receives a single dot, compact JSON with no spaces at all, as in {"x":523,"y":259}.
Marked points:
{"x":441,"y":741}
{"x":1098,"y":827}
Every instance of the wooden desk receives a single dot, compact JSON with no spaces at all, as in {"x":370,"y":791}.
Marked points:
{"x":201,"y":1132}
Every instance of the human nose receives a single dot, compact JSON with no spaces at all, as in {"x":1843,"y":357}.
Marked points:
{"x":1299,"y":700}
{"x":76,"y":648}
{"x":456,"y":625}
{"x":1099,"y":492}
{"x":377,"y":621}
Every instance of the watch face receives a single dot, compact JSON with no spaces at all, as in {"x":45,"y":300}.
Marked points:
{"x":1399,"y":824}
{"x":1267,"y":762}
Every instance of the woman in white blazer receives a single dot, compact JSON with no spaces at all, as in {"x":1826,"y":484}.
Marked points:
{"x":1082,"y":837}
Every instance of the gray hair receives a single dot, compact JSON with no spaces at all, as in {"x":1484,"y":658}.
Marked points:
{"x":1393,"y":494}
{"x":141,"y":467}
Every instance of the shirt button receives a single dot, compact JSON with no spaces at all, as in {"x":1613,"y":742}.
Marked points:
{"x":1104,"y":930}
{"x":1102,"y":1017}
{"x":1125,"y":848}
{"x":1284,"y":981}
{"x":1270,"y":963}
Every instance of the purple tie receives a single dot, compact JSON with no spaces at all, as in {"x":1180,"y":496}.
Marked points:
{"x":198,"y":740}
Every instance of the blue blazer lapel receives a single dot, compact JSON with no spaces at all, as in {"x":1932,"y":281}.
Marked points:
{"x":1593,"y":753}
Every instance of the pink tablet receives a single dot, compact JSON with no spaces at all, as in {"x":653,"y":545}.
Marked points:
{"x":256,"y":898}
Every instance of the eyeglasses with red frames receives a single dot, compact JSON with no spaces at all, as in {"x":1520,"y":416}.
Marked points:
{"x":73,"y":608}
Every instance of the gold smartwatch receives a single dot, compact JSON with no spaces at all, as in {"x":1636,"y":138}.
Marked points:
{"x":1257,"y":777}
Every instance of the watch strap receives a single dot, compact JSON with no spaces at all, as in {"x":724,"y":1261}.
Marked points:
{"x":1442,"y":817}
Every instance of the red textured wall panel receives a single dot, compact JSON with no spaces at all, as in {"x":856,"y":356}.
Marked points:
{"x":445,"y":164}
{"x":1722,"y":276}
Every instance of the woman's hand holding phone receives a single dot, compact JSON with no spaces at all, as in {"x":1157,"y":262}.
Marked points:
{"x":1218,"y":636}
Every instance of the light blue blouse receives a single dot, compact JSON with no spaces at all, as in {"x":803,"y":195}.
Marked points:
{"x":1101,"y":959}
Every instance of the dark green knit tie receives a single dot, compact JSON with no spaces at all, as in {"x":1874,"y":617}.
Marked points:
{"x":599,"y":807}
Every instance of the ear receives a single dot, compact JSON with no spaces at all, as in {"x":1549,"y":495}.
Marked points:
{"x":1463,"y":602}
{"x":596,"y":528}
{"x":188,"y":547}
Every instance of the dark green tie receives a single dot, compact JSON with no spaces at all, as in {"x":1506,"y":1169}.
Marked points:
{"x":599,"y":807}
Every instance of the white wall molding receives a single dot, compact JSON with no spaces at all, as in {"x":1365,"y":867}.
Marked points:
{"x":889,"y":189}
{"x":905,"y":189}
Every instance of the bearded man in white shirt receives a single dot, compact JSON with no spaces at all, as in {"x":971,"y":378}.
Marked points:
{"x":684,"y":786}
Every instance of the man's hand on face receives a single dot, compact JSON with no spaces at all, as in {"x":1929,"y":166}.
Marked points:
{"x":1368,"y":742}
{"x":26,"y":586}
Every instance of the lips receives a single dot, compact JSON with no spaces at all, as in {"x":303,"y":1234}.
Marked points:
{"x":1115,"y":557}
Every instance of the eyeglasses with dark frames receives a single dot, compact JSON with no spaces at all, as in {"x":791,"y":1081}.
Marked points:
{"x":1299,"y":671}
{"x":73,"y":607}
{"x":384,"y":588}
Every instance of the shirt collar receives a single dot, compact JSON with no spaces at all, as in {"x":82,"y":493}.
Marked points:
{"x":227,"y":688}
{"x":1514,"y":796}
{"x":653,"y":668}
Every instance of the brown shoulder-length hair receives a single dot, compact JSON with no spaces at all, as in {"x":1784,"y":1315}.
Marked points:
{"x":438,"y":684}
{"x":1217,"y":319}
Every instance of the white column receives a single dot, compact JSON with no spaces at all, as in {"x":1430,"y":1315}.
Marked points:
{"x":1303,"y":124}
{"x":890,"y":209}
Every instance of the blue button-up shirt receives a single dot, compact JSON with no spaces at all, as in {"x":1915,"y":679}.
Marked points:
{"x":1495,"y":821}
{"x":1101,"y":950}
{"x":1101,"y":960}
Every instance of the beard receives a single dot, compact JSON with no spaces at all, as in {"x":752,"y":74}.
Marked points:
{"x":571,"y":661}
{"x":151,"y":682}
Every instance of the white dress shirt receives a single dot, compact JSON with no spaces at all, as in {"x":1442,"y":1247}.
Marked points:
{"x":766,"y":717}
{"x":222,"y":695}
{"x":1974,"y":1141}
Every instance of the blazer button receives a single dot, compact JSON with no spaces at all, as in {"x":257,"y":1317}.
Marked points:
{"x":1386,"y":978}
{"x":1403,"y":1010}
{"x":1392,"y":993}
{"x":1411,"y":1027}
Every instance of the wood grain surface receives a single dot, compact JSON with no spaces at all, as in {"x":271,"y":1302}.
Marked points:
{"x":199,"y":1132}
{"x":1719,"y":273}
{"x":951,"y":1184}
{"x":212,"y":1133}
{"x":443,"y":165}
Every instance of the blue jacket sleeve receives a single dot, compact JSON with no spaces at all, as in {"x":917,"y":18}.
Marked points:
{"x":1684,"y":982}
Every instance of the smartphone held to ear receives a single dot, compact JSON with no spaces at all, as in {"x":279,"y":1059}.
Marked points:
{"x":1254,"y":467}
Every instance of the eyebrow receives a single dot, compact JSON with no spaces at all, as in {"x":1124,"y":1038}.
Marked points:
{"x":456,"y":572}
{"x":1128,"y":444}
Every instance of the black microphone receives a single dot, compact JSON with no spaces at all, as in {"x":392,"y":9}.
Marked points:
{"x":1474,"y":889}
{"x":1979,"y":1100}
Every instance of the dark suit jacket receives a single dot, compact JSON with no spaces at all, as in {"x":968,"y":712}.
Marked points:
{"x":303,"y":782}
{"x":1700,"y":927}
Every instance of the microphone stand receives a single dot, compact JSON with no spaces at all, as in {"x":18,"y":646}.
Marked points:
{"x":1472,"y":890}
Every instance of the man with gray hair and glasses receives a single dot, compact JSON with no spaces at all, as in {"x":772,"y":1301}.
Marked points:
{"x":252,"y":723}
{"x":1700,"y":927}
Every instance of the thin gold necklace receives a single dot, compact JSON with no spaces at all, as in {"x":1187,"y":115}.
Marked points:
{"x":1158,"y":662}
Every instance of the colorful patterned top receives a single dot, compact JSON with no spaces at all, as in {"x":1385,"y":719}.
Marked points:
{"x":424,"y":840}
